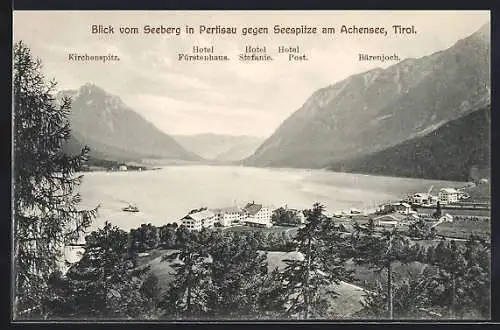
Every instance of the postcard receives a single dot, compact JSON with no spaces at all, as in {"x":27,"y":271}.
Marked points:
{"x":251,"y":165}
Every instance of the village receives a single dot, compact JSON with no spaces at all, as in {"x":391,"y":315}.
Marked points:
{"x":452,"y":213}
{"x":252,"y":215}
{"x":442,"y":207}
{"x":449,"y":204}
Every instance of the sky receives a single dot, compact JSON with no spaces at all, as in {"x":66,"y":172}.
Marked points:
{"x":234,"y":97}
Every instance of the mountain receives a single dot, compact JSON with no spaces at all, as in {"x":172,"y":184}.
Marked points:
{"x":114,"y":131}
{"x":99,"y":153}
{"x":380,"y":108}
{"x":241,"y":149}
{"x":448,"y":153}
{"x":220,"y":147}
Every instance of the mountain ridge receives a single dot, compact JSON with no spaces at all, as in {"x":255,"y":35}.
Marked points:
{"x":380,"y":108}
{"x":110,"y":127}
{"x":434,"y":155}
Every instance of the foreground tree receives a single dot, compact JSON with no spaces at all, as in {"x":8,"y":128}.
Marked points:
{"x":411,"y":301}
{"x":239,"y":273}
{"x":106,"y":282}
{"x":380,"y":252}
{"x":478,"y":275}
{"x":187,"y":296}
{"x":272,"y":302}
{"x":461,"y":280}
{"x":46,"y":216}
{"x":307,"y":279}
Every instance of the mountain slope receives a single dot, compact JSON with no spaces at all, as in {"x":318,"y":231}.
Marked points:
{"x":448,"y":153}
{"x":113,"y":130}
{"x":240,"y":150}
{"x":98,"y":152}
{"x":218,"y":146}
{"x":382,"y":107}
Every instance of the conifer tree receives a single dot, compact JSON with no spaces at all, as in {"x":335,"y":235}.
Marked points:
{"x":410,"y":301}
{"x":106,"y":282}
{"x":46,"y":213}
{"x":189,"y":293}
{"x":379,"y":252}
{"x":272,"y":302}
{"x":461,"y":282}
{"x":307,"y":280}
{"x":239,"y":271}
{"x":477,"y":292}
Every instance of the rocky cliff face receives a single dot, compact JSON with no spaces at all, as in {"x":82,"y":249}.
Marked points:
{"x":381,"y":108}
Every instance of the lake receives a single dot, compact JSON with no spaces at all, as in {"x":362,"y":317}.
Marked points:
{"x":167,"y":194}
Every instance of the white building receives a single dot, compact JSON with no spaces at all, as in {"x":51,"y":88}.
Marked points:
{"x":122,"y":168}
{"x":199,"y":219}
{"x":433,"y":200}
{"x":389,"y":220}
{"x":446,"y":218}
{"x":448,"y":195}
{"x":420,"y":198}
{"x":403,"y":208}
{"x":231,"y":218}
{"x":256,"y":215}
{"x":387,"y":223}
{"x":424,"y":199}
{"x":227,"y":216}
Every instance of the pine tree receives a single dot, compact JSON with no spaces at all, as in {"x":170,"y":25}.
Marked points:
{"x":307,"y":281}
{"x":239,"y":271}
{"x":461,"y":282}
{"x":46,"y":216}
{"x":477,"y":277}
{"x":272,"y":302}
{"x":411,"y":300}
{"x":380,"y":252}
{"x":450,"y":262}
{"x":189,"y":293}
{"x":106,"y":283}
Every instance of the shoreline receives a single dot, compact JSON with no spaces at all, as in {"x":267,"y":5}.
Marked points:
{"x":101,"y":169}
{"x":153,"y":200}
{"x":154,"y":164}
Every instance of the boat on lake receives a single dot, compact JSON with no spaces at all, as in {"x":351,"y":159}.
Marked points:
{"x":130,"y":208}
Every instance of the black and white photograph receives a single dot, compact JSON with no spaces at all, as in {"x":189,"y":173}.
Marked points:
{"x":251,"y":165}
